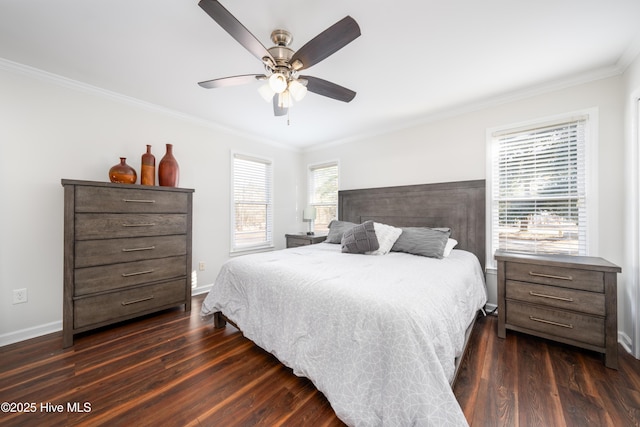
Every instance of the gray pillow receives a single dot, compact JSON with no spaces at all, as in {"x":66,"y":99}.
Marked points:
{"x":360,"y":239}
{"x":337,"y":229}
{"x":423,"y":241}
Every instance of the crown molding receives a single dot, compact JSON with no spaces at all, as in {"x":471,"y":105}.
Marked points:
{"x":36,"y":73}
{"x":481,"y":104}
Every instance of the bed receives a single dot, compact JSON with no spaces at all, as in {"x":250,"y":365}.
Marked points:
{"x":380,"y":335}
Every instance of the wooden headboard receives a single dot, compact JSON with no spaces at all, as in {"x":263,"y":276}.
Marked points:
{"x":458,"y":205}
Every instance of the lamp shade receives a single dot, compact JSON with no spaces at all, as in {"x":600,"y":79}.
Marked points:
{"x":297,"y":90}
{"x":278,"y":82}
{"x":266,"y":92}
{"x":309,"y":213}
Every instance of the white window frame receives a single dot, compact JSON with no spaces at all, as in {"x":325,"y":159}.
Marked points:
{"x":268,"y":244}
{"x":591,"y":174}
{"x":310,"y":169}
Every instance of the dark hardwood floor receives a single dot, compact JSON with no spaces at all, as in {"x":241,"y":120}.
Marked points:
{"x":173,"y":369}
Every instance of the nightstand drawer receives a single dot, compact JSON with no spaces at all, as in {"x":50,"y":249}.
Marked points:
{"x":557,"y":276}
{"x":293,"y":242}
{"x":296,"y":240}
{"x":553,"y":296}
{"x":559,"y":323}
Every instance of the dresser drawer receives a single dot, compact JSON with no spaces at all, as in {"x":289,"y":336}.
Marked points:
{"x":553,"y":296}
{"x":105,"y":226}
{"x":106,"y":199}
{"x":90,"y":253}
{"x":112,"y":306}
{"x":565,"y":324}
{"x":116,"y":276}
{"x":557,"y":276}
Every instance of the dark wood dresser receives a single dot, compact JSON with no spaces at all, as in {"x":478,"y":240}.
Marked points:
{"x":127,"y":252}
{"x":569,"y":299}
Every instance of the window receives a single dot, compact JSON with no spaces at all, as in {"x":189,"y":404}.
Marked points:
{"x":252,"y":203}
{"x":539,"y":188}
{"x":323,"y":193}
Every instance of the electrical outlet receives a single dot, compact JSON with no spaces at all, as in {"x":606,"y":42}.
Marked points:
{"x":201,"y":266}
{"x":20,"y":296}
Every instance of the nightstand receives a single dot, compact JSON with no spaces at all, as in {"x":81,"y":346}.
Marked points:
{"x":569,"y":299}
{"x":303,"y":239}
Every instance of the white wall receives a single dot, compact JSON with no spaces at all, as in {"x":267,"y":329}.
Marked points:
{"x":454,"y":149}
{"x":50,"y":130}
{"x":631,"y":297}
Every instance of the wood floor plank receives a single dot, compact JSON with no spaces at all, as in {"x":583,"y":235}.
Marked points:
{"x":174,"y":368}
{"x":582,"y":410}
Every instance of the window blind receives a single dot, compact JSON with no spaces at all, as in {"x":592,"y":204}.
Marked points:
{"x":539,"y":189}
{"x":323,"y":193}
{"x":252,"y":195}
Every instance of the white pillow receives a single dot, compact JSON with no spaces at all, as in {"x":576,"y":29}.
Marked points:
{"x":451,"y":243}
{"x":387,"y":236}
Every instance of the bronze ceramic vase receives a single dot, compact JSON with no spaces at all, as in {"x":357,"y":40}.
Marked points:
{"x":148,"y":168}
{"x":168,"y":169}
{"x":122,"y":173}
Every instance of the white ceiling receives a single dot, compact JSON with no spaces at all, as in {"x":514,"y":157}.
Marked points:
{"x":416,"y":59}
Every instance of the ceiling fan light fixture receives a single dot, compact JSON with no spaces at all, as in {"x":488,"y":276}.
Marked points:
{"x":297,"y":90}
{"x":266,"y":92}
{"x":278,"y":82}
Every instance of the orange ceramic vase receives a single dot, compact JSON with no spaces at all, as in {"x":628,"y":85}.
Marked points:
{"x":148,"y":168}
{"x":168,"y":169}
{"x":122,"y":173}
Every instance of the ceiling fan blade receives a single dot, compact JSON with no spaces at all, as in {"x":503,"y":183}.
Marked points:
{"x":277,"y":109}
{"x":232,"y":81}
{"x":326,"y":43}
{"x":328,"y":89}
{"x":231,"y":25}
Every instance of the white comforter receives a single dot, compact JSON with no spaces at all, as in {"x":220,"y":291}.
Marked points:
{"x":378,"y":335}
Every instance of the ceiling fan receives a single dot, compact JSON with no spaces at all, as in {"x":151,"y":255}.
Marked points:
{"x":283,"y":83}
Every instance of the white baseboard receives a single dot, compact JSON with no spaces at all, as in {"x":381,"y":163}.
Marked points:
{"x":201,"y":289}
{"x":28,"y":333}
{"x":49,"y":328}
{"x":625,"y":342}
{"x":489,"y":307}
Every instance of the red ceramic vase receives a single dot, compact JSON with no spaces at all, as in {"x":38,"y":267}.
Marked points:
{"x":148,"y":168}
{"x":122,"y":173}
{"x":168,"y":169}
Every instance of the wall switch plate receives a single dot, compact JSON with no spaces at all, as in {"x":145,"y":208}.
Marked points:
{"x":20,"y":296}
{"x":201,"y":266}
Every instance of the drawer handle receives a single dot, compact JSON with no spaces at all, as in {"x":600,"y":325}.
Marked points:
{"x":137,"y":201}
{"x":148,"y":248}
{"x":135,"y":301}
{"x":550,"y":276}
{"x":142,"y":224}
{"x":535,"y":294}
{"x":564,"y":325}
{"x":137,"y":273}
